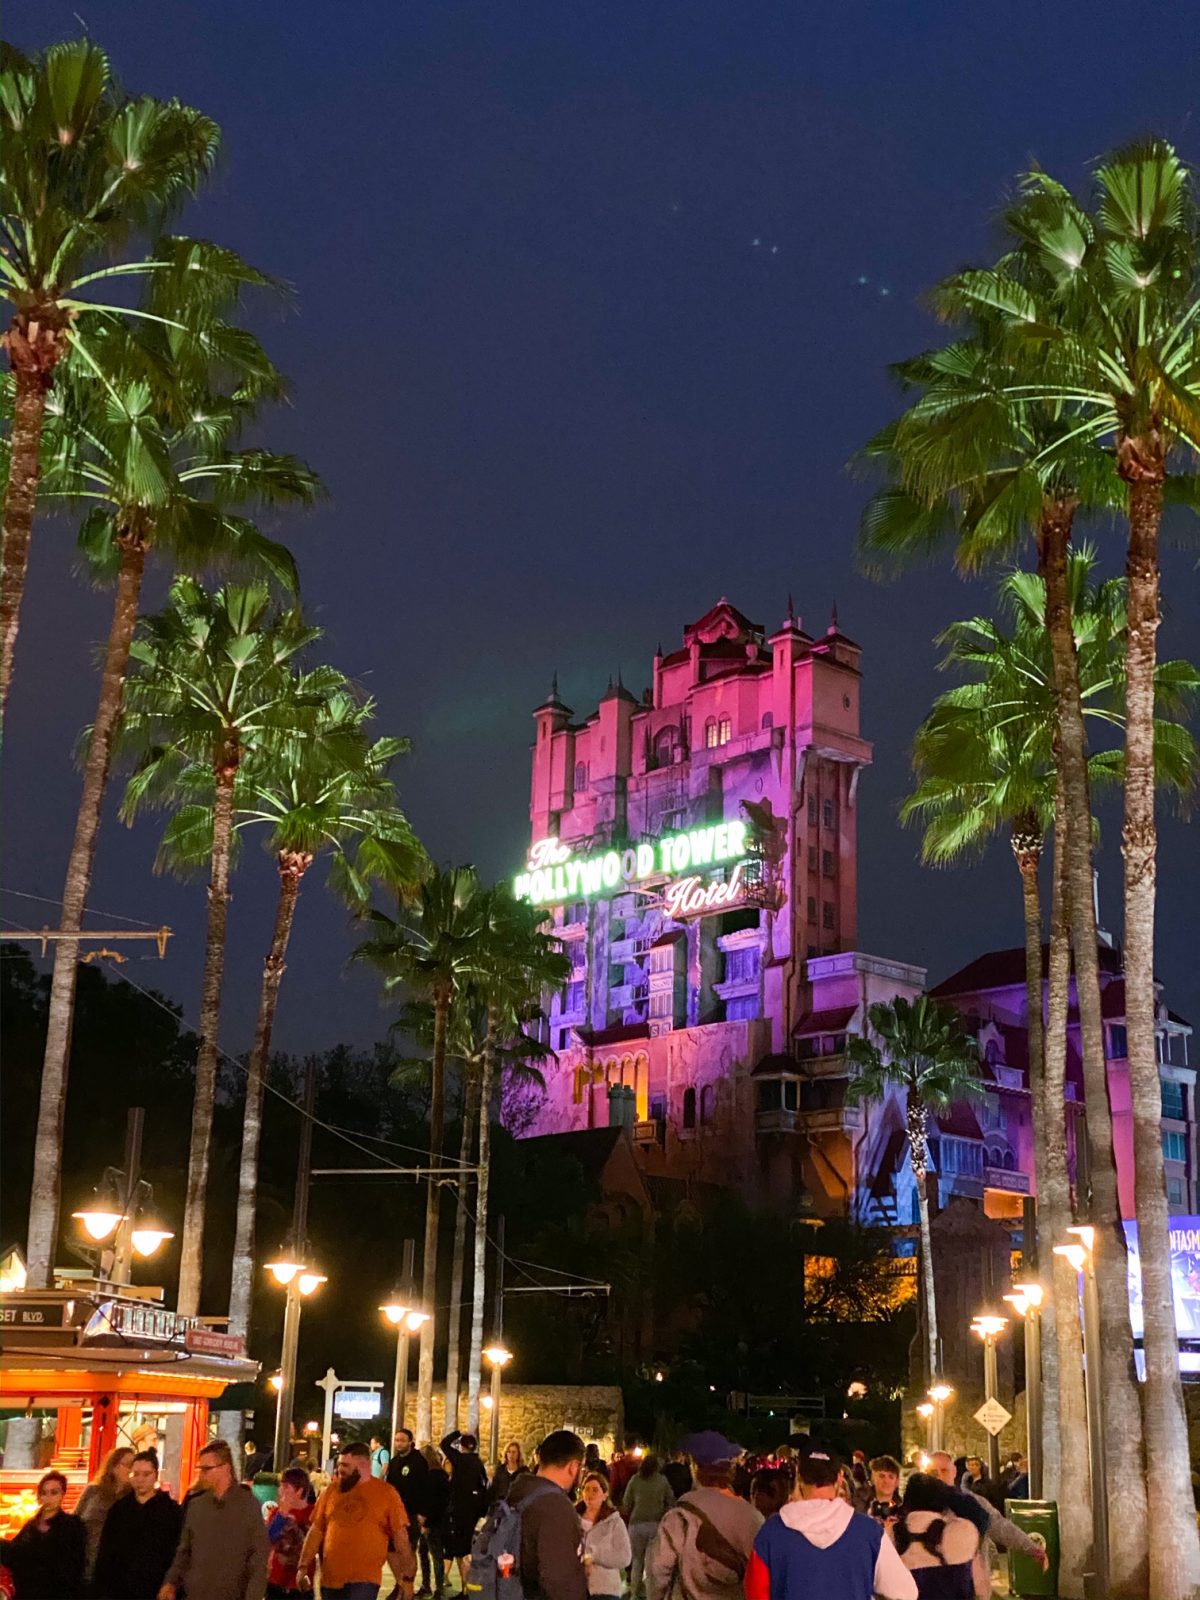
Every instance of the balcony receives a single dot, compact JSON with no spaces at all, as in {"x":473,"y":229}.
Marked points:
{"x":651,"y":1131}
{"x":1003,"y":1178}
{"x":832,"y":1119}
{"x":623,"y":995}
{"x":625,"y":950}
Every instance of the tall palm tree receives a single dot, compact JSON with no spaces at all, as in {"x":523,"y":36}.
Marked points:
{"x":433,"y":948}
{"x":1100,"y":306}
{"x":83,"y":167}
{"x":523,"y":961}
{"x":212,"y":680}
{"x":924,"y":1053}
{"x":321,"y":788}
{"x":152,"y":453}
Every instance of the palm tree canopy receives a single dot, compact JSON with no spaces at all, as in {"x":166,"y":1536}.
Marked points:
{"x":435,"y":943}
{"x":922,"y":1049}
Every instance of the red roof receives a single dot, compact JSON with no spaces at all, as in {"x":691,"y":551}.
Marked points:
{"x":836,"y":1020}
{"x":1005,"y":969}
{"x":723,"y":609}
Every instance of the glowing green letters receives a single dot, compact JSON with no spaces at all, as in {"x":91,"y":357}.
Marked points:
{"x":553,"y":875}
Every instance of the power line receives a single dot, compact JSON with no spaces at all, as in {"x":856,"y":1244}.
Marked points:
{"x":88,"y":911}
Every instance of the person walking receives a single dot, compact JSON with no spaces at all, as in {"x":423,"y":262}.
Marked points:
{"x":820,"y":1546}
{"x":769,"y":1491}
{"x":468,"y":1497}
{"x":593,"y":1461}
{"x":358,"y":1526}
{"x":704,"y":1542}
{"x":622,"y":1467}
{"x":995,"y":1530}
{"x":380,"y":1456}
{"x":408,"y":1474}
{"x":647,"y":1499}
{"x":98,"y":1499}
{"x":606,"y":1548}
{"x":140,"y":1536}
{"x":287,"y":1529}
{"x":512,"y":1465}
{"x":432,"y":1522}
{"x":48,"y":1555}
{"x":678,"y":1473}
{"x":935,"y":1543}
{"x":550,"y":1564}
{"x":223,"y":1548}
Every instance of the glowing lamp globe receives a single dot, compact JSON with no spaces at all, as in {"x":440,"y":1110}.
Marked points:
{"x":925,"y":1410}
{"x":940,"y":1392}
{"x":283,"y":1269}
{"x":308,"y":1281}
{"x":395,"y":1311}
{"x":1032,"y":1293}
{"x":415,"y":1319}
{"x":146,"y":1238}
{"x":98,"y":1221}
{"x":277,"y":1381}
{"x":988,"y":1326}
{"x":497,"y":1355}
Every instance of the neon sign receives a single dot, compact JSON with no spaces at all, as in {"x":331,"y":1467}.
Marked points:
{"x":554,"y":875}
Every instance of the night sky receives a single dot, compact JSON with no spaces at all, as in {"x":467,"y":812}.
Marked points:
{"x":595,"y":302}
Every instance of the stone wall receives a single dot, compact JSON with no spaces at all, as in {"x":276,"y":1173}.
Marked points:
{"x":528,"y":1412}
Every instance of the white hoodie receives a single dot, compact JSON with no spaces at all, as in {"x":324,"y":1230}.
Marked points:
{"x":823,"y":1522}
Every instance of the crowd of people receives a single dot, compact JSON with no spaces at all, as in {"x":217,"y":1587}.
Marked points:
{"x":710,"y":1523}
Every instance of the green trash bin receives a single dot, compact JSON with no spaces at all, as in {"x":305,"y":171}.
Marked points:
{"x":1039,"y":1519}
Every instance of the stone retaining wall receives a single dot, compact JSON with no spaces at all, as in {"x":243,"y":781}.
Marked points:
{"x":528,"y":1412}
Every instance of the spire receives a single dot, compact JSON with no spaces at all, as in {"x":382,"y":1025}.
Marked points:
{"x":554,"y":686}
{"x":791,"y":610}
{"x":833,"y":619}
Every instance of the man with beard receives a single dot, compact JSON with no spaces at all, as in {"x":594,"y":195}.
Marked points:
{"x":359,"y":1523}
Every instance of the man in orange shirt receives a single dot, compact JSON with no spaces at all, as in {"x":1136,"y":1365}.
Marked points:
{"x":359,"y":1523}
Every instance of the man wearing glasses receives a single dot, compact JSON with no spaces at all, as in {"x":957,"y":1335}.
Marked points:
{"x":223,"y":1549}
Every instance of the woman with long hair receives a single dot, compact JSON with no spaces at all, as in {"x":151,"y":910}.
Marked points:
{"x":512,"y":1465}
{"x":47,"y":1556}
{"x":140,"y":1537}
{"x":100,"y":1496}
{"x":647,"y":1499}
{"x":606,"y":1547}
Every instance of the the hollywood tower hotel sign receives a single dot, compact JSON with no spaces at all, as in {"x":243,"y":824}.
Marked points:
{"x":692,"y":847}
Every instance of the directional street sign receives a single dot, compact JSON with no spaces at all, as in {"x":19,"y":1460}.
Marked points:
{"x":992,"y":1416}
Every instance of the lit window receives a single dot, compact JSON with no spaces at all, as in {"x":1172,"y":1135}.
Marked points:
{"x":710,"y":734}
{"x":724,"y":731}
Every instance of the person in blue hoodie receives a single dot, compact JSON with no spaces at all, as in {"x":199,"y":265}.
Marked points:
{"x":818,"y":1546}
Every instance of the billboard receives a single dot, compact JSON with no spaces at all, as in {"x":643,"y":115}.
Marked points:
{"x":1185,"y":1276}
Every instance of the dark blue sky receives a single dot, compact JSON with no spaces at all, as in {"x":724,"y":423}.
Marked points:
{"x":563,"y":400}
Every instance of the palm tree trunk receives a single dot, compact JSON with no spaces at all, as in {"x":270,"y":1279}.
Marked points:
{"x":192,"y":1254}
{"x":35,"y":342}
{"x":1127,"y":1483}
{"x":479,"y":1285}
{"x":293,"y":864}
{"x":437,"y":1118}
{"x":919,"y":1157}
{"x":454,"y":1336}
{"x":1060,"y":1315}
{"x":47,"y":1168}
{"x":1027,"y":847}
{"x":1174,"y":1550}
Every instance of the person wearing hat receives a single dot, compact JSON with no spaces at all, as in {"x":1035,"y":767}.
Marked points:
{"x":703,"y":1544}
{"x":820,"y":1546}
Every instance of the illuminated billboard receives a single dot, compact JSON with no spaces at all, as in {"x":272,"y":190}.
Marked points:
{"x":555,"y":874}
{"x":1185,"y":1276}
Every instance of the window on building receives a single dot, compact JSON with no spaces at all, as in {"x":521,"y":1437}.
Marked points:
{"x":708,"y":1105}
{"x":1175,"y":1191}
{"x":710,"y":734}
{"x":1174,"y":1146}
{"x":742,"y":1008}
{"x":577,"y":913}
{"x":666,"y":747}
{"x":573,"y":998}
{"x":827,"y":914}
{"x":1118,"y":1043}
{"x":991,"y":1053}
{"x":812,"y":858}
{"x":1173,"y":1100}
{"x":689,"y":1108}
{"x":658,"y":1108}
{"x":827,"y":814}
{"x":827,"y":863}
{"x":812,"y":914}
{"x":812,"y":810}
{"x":724,"y":731}
{"x":741,"y":966}
{"x":768,"y":1095}
{"x":581,"y":776}
{"x":768,"y":719}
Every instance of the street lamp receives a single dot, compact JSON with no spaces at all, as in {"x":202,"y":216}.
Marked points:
{"x":497,"y":1357}
{"x":406,"y":1319}
{"x":1026,"y":1300}
{"x":119,"y":1209}
{"x":939,"y":1393}
{"x":299,"y":1280}
{"x":1081,"y":1253}
{"x":989,"y":1327}
{"x":925,"y":1412}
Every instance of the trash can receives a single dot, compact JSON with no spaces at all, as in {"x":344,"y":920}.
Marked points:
{"x":1039,"y":1519}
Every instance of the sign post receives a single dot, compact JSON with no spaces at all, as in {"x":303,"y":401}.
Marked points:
{"x":330,"y":1383}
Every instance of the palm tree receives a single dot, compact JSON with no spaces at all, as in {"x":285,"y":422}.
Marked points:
{"x":1101,"y":309}
{"x":322,"y":788}
{"x":82,"y":168}
{"x":212,"y":681}
{"x":433,"y":948}
{"x":154,"y":486}
{"x":523,"y":961}
{"x":926,"y":1055}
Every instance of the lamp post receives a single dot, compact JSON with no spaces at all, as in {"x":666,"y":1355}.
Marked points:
{"x":989,"y":1327}
{"x":299,"y":1281}
{"x":1026,"y":1301}
{"x":119,"y":1208}
{"x":497,"y":1357}
{"x":925,"y":1411}
{"x":1081,"y":1253}
{"x":406,"y":1319}
{"x":939,"y":1393}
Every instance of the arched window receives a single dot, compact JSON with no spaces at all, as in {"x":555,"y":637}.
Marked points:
{"x":724,"y":731}
{"x":581,"y":776}
{"x":710,"y":734}
{"x":666,"y":747}
{"x":768,"y":719}
{"x":1010,"y":1161}
{"x":708,"y":1105}
{"x":991,"y":1052}
{"x":689,"y":1108}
